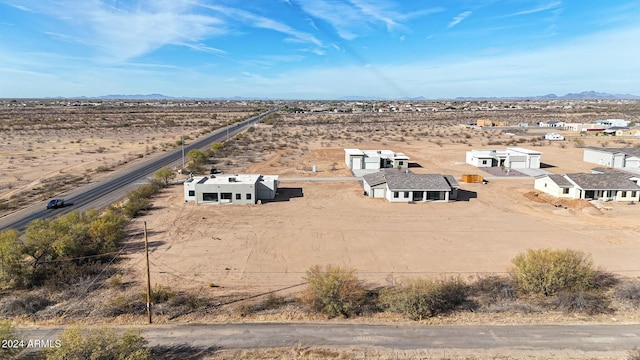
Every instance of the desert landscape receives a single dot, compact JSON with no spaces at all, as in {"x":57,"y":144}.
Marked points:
{"x":261,"y":248}
{"x":267,"y":247}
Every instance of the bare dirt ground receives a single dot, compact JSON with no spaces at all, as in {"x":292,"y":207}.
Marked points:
{"x":260,"y":248}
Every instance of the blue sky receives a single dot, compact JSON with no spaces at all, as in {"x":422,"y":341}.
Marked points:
{"x":318,"y":49}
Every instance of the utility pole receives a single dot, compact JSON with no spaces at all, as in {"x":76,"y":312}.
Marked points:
{"x":182,"y":141}
{"x":146,"y":250}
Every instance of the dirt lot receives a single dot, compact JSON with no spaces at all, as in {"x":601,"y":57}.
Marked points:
{"x":259,"y":248}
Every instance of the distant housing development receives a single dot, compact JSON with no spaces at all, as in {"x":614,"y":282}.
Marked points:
{"x":514,"y":158}
{"x":357,"y":159}
{"x":604,"y":185}
{"x":230,"y":189}
{"x":613,"y":157}
{"x":405,"y":186}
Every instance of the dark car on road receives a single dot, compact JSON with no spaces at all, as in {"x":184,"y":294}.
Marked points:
{"x":55,"y":203}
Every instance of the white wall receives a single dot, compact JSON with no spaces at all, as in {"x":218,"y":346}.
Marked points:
{"x":547,"y":186}
{"x":597,"y":157}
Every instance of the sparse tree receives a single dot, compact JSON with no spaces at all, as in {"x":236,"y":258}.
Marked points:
{"x":197,"y":157}
{"x":165,"y":175}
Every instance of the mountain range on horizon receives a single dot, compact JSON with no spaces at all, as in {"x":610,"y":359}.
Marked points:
{"x":585,"y":95}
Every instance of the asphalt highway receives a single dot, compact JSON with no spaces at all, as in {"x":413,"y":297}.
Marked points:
{"x":118,"y":184}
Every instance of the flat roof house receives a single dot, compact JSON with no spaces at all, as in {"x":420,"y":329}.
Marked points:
{"x":613,"y":157}
{"x":515,"y":158}
{"x":405,"y":186}
{"x":615,"y":186}
{"x":357,"y":159}
{"x":230,"y":189}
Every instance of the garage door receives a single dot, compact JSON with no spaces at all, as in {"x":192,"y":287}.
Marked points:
{"x":518,"y":164}
{"x":357,"y":163}
{"x":371,"y":165}
{"x":378,"y":193}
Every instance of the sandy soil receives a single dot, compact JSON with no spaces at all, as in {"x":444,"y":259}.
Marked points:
{"x":258,"y":248}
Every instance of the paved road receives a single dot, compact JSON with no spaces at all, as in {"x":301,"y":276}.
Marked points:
{"x":513,"y":340}
{"x":115,"y":187}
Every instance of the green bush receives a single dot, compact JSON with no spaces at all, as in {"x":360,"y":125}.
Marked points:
{"x":100,"y":344}
{"x":334,"y":290}
{"x":418,"y":298}
{"x":548,"y":272}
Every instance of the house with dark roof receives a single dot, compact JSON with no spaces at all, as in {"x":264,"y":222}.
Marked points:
{"x":405,"y":186}
{"x":613,"y":157}
{"x":606,"y":185}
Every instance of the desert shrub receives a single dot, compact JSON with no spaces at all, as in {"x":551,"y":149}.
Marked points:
{"x":334,"y":290}
{"x":548,"y":272}
{"x":604,"y":279}
{"x":629,"y":292}
{"x":418,"y":298}
{"x":634,"y":354}
{"x":123,"y":305}
{"x":490,"y":289}
{"x":7,"y":333}
{"x":99,"y":344}
{"x":26,"y":304}
{"x":159,"y":294}
{"x":582,"y":302}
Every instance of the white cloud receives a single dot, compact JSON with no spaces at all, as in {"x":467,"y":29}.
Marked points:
{"x":266,"y":23}
{"x":459,"y":18}
{"x":556,"y":69}
{"x":544,"y":7}
{"x":355,"y":18}
{"x":124,"y":33}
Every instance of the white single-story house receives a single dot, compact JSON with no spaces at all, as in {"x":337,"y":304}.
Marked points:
{"x":613,"y":157}
{"x":613,"y":122}
{"x":581,"y":127}
{"x":230,"y":189}
{"x":514,"y":158}
{"x":553,"y":136}
{"x":405,"y":186}
{"x":615,"y":186}
{"x":552,"y":124}
{"x":374,"y":159}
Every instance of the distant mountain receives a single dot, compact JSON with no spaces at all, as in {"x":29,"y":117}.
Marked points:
{"x":136,"y":97}
{"x":585,"y":95}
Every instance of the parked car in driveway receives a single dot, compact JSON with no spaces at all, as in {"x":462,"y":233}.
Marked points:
{"x":55,"y":203}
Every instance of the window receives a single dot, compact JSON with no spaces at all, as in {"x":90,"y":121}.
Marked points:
{"x":484,"y":162}
{"x":192,"y":193}
{"x":395,"y":195}
{"x":225,"y":196}
{"x":209,"y":196}
{"x":400,"y":163}
{"x":624,"y":194}
{"x":238,"y":196}
{"x":248,"y":196}
{"x":565,"y":190}
{"x":633,"y":194}
{"x":406,"y":194}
